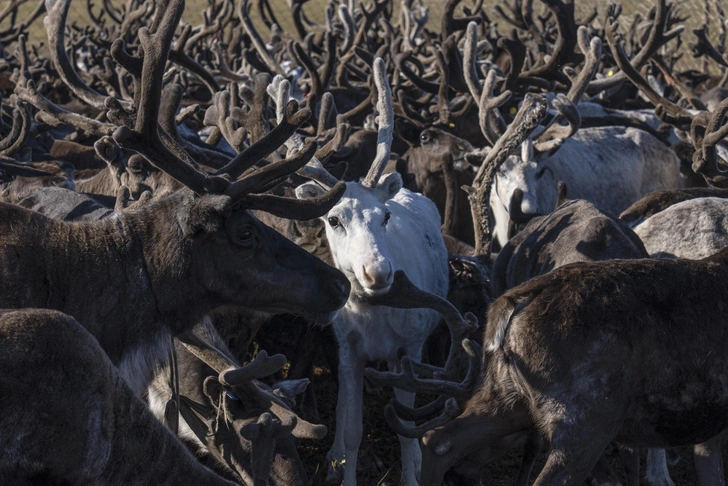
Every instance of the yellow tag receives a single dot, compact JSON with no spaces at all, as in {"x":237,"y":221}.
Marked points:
{"x":610,"y":73}
{"x":513,"y":110}
{"x":451,"y":125}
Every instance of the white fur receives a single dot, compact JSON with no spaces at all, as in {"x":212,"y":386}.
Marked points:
{"x":138,"y":365}
{"x":690,"y":229}
{"x":611,"y":167}
{"x":656,"y":473}
{"x":410,"y":241}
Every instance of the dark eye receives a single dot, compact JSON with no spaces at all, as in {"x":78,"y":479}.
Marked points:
{"x":387,"y":215}
{"x":334,"y":221}
{"x":245,"y":237}
{"x":425,"y":137}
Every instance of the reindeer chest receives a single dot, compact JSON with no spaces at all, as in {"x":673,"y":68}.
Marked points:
{"x":378,"y":333}
{"x":137,"y":365}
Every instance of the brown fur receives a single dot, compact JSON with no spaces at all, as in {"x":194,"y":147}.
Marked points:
{"x":610,"y":350}
{"x":158,"y":270}
{"x":69,"y":418}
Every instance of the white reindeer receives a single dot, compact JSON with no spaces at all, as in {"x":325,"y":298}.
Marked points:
{"x":379,"y":227}
{"x":611,"y":167}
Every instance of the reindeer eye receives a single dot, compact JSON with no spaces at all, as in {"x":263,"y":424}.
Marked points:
{"x":387,"y":215}
{"x":425,"y":137}
{"x":334,"y":221}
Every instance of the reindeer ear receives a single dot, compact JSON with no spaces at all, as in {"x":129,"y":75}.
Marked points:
{"x":309,"y":190}
{"x":388,"y":186}
{"x":204,"y":214}
{"x":212,"y":389}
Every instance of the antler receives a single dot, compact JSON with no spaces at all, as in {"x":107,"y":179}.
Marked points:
{"x":554,"y":134}
{"x":263,"y":435}
{"x":442,"y":381}
{"x":386,"y":125}
{"x":491,"y":122}
{"x":657,"y":38}
{"x":664,"y":108}
{"x":532,"y":111}
{"x":705,"y":136}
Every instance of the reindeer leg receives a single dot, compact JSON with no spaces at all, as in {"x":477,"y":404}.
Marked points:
{"x":531,"y":450}
{"x":656,"y":469}
{"x":352,"y":373}
{"x":411,"y":452}
{"x":709,"y":463}
{"x":335,"y":456}
{"x":571,"y":458}
{"x":572,"y":463}
{"x":631,"y":461}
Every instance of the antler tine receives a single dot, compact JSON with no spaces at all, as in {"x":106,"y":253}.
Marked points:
{"x":263,"y":435}
{"x":407,"y":380}
{"x":272,"y":172}
{"x":206,"y":352}
{"x":336,"y":143}
{"x":677,"y":113}
{"x":470,"y":73}
{"x":449,"y":412}
{"x":55,"y":24}
{"x":420,"y":413}
{"x":592,"y":50}
{"x":145,"y":138}
{"x":704,"y":47}
{"x":219,"y":114}
{"x":260,"y":367}
{"x":386,"y":124}
{"x":54,"y":115}
{"x":292,"y":119}
{"x":656,"y":39}
{"x":18,"y":132}
{"x":554,"y":133}
{"x":705,"y":136}
{"x":403,"y":294}
{"x":256,"y":39}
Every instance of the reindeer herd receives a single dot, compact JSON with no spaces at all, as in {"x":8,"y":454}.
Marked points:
{"x":521,"y":213}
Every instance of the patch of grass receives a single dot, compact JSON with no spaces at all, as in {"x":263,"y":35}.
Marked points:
{"x":315,"y":10}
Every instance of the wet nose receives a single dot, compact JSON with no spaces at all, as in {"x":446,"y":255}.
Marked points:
{"x":378,"y":276}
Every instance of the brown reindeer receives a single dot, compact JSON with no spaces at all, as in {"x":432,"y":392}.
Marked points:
{"x":86,"y":426}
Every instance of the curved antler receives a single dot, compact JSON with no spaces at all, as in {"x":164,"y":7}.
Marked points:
{"x":386,"y":124}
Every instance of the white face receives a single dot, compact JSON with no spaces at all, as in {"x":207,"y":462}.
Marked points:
{"x":528,"y":175}
{"x":356,"y":229}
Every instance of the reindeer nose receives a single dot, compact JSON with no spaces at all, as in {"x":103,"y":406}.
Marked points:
{"x":376,"y":278}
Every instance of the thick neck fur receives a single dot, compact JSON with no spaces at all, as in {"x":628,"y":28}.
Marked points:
{"x":128,"y":279}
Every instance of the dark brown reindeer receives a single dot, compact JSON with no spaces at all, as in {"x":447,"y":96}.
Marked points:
{"x":157,"y":271}
{"x":87,"y":426}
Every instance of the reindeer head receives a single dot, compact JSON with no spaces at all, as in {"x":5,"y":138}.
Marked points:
{"x":356,"y":226}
